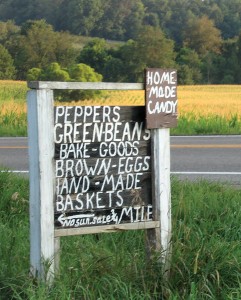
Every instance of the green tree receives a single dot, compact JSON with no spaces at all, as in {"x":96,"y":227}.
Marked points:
{"x":189,"y":66}
{"x":121,"y":19}
{"x":151,"y":49}
{"x":203,"y":36}
{"x":65,"y":51}
{"x":176,"y":20}
{"x":112,"y":19}
{"x":22,"y":10}
{"x":114,"y":70}
{"x":84,"y":73}
{"x":80,"y":16}
{"x":34,"y":74}
{"x":95,"y":54}
{"x":126,"y":63}
{"x":7,"y":30}
{"x":78,"y":72}
{"x":34,"y":48}
{"x":160,"y":8}
{"x":154,"y":48}
{"x":227,"y":67}
{"x":38,"y":46}
{"x":55,"y":73}
{"x":17,"y":10}
{"x":239,"y":59}
{"x":7,"y":70}
{"x":230,"y":25}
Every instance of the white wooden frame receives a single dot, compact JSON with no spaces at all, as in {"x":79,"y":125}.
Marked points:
{"x":41,"y":152}
{"x":162,"y":192}
{"x":44,"y":248}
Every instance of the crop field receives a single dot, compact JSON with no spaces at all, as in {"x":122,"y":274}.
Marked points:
{"x":13,"y":108}
{"x":207,"y":109}
{"x":195,"y":100}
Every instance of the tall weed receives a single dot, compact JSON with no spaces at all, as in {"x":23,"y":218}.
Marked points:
{"x":191,"y":124}
{"x":206,"y":256}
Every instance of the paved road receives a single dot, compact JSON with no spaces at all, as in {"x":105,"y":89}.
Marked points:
{"x":211,"y":157}
{"x":14,"y":153}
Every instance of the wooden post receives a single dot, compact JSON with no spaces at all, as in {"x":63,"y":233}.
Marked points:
{"x":41,"y":153}
{"x":161,"y":114}
{"x":44,"y":238}
{"x":159,"y":240}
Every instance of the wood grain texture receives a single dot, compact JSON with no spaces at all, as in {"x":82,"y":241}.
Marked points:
{"x":106,"y":228}
{"x":160,"y":240}
{"x":84,"y":85}
{"x":161,"y":98}
{"x":41,"y":152}
{"x":99,"y":114}
{"x":102,"y":166}
{"x":109,"y":175}
{"x":109,"y":149}
{"x":108,"y":199}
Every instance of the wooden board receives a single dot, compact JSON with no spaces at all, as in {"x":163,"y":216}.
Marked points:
{"x":56,"y":85}
{"x":109,"y":182}
{"x":102,"y":150}
{"x":107,"y":228}
{"x":41,"y":152}
{"x":66,"y":147}
{"x":102,"y":166}
{"x":98,"y":114}
{"x":130,"y":214}
{"x":97,"y":200}
{"x":161,"y":98}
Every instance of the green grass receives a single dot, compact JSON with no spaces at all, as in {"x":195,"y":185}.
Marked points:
{"x":191,"y":125}
{"x":13,"y":90}
{"x":206,"y":258}
{"x":15,"y":124}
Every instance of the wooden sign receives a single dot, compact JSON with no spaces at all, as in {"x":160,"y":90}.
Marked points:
{"x":97,"y":169}
{"x":102,"y":166}
{"x":161,"y":98}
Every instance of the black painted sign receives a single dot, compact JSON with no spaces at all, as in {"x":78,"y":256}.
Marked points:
{"x":102,"y":166}
{"x":161,"y":98}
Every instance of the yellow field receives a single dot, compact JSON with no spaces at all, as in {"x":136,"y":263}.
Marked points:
{"x":12,"y":106}
{"x":221,"y":100}
{"x":13,"y":97}
{"x":206,"y":100}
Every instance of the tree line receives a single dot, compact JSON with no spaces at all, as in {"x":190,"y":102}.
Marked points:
{"x":200,"y":38}
{"x":121,"y":20}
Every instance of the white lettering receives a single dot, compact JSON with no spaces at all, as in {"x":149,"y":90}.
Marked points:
{"x":162,"y":107}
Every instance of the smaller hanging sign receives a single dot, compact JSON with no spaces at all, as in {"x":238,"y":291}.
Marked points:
{"x":161,"y":98}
